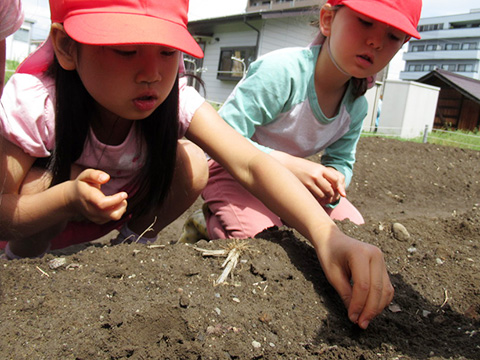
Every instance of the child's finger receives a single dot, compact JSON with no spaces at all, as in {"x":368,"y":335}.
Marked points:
{"x":325,"y":188}
{"x":94,"y":176}
{"x":117,"y":212}
{"x":112,"y":201}
{"x":380,"y":295}
{"x":336,"y":181}
{"x":370,"y":288}
{"x":341,"y":190}
{"x":342,"y":285}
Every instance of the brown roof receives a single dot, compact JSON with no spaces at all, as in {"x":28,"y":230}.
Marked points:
{"x":467,"y":86}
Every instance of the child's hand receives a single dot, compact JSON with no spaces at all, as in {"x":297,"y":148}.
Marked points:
{"x":345,"y":261}
{"x":326,"y":184}
{"x":87,"y":200}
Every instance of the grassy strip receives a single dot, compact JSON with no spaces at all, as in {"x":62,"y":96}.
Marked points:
{"x":11,"y":66}
{"x":458,"y":138}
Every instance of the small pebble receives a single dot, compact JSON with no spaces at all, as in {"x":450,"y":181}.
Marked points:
{"x":56,"y":263}
{"x":400,"y":232}
{"x":256,"y":344}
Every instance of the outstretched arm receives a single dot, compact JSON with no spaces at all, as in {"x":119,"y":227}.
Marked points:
{"x":342,"y":258}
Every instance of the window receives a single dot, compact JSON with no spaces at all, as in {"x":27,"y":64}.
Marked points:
{"x":416,"y":48}
{"x":430,"y":27}
{"x":465,"y":67}
{"x":416,"y":67}
{"x":259,"y":3}
{"x":433,"y":47}
{"x":469,"y":46}
{"x":234,"y":62}
{"x":22,"y":34}
{"x":452,"y":46}
{"x":449,"y":67}
{"x":428,"y":67}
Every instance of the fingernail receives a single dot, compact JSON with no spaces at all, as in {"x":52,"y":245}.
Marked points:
{"x":364,"y":324}
{"x":354,"y":318}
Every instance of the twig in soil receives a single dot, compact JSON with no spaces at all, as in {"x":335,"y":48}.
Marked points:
{"x":43,"y":272}
{"x":150,"y":228}
{"x":446,"y":299}
{"x":232,"y":251}
{"x":155,"y":246}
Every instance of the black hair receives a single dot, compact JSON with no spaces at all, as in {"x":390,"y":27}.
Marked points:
{"x":73,"y":115}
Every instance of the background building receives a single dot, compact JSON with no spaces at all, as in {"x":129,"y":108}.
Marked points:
{"x":231,"y":43}
{"x":449,"y":43}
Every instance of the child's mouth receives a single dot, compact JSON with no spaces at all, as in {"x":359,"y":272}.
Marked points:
{"x":366,"y":58}
{"x":145,"y":103}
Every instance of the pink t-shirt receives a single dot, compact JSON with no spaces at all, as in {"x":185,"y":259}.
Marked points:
{"x":27,"y":119}
{"x":11,"y":17}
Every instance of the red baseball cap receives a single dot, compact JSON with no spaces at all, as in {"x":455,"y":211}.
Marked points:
{"x":118,"y":22}
{"x":400,"y":14}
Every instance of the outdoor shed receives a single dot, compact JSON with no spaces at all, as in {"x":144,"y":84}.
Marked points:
{"x":459,"y":100}
{"x":408,"y":108}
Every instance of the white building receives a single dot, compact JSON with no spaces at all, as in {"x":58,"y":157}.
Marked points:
{"x":232,"y":42}
{"x":20,"y":44}
{"x":450,"y":43}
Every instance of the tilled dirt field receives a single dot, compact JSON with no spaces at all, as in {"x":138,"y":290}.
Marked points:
{"x":135,"y":302}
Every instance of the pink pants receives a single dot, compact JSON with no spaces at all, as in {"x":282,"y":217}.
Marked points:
{"x":236,"y":213}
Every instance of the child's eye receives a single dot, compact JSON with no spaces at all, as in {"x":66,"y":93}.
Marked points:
{"x":394,"y":37}
{"x":365,"y":22}
{"x":124,"y":52}
{"x":169,"y":52}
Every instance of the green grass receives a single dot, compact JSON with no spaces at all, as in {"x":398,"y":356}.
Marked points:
{"x":456,"y":138}
{"x":11,"y":66}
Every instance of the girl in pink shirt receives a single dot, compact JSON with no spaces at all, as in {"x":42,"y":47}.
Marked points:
{"x":97,"y":145}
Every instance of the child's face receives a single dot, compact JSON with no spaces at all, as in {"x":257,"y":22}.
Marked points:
{"x":360,"y":45}
{"x":130,"y":81}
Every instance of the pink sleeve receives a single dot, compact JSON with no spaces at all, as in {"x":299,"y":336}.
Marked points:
{"x":27,"y":117}
{"x":189,"y":101}
{"x":11,"y":17}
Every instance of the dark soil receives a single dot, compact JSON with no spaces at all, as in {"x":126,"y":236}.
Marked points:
{"x":136,"y":302}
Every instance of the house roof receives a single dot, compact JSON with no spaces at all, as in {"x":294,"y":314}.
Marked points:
{"x":467,"y":86}
{"x":261,"y":14}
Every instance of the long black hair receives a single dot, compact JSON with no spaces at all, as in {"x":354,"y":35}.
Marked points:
{"x":73,"y":116}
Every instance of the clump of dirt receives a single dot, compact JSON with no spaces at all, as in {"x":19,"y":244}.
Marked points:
{"x":138,"y":302}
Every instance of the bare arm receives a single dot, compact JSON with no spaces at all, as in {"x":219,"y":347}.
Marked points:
{"x":325,"y":183}
{"x":342,"y":258}
{"x":27,"y":210}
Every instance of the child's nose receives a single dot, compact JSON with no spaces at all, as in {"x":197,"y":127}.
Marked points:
{"x":149,"y":70}
{"x":376,"y":39}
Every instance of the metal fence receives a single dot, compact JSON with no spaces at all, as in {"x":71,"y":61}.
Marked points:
{"x":452,"y":138}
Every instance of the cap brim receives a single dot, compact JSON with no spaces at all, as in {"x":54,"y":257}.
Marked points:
{"x":124,"y":29}
{"x":385,"y":14}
